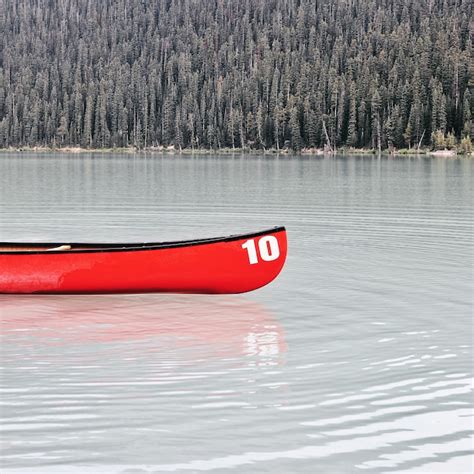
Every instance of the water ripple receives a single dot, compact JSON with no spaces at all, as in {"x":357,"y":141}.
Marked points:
{"x":358,"y":358}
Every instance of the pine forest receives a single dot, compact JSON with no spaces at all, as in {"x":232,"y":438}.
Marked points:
{"x":246,"y":74}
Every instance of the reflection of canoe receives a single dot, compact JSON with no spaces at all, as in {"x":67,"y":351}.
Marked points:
{"x":234,"y":264}
{"x":221,"y":325}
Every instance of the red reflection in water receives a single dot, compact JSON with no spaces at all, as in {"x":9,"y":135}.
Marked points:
{"x":229,"y":325}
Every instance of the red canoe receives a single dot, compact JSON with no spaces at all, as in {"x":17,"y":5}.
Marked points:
{"x":234,"y":264}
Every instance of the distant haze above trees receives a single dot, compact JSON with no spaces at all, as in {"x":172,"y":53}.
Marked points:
{"x":235,"y":73}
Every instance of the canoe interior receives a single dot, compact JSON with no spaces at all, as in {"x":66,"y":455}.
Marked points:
{"x":23,"y":247}
{"x":40,"y":248}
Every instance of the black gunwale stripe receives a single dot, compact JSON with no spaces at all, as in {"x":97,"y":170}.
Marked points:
{"x":127,"y":247}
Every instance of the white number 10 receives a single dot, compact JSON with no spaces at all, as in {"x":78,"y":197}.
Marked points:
{"x":267,"y":247}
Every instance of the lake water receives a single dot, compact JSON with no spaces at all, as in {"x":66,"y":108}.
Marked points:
{"x":358,"y":358}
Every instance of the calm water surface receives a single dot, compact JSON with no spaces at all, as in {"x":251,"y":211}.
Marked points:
{"x":358,"y":358}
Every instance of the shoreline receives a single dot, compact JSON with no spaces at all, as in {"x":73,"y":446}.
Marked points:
{"x":229,"y":151}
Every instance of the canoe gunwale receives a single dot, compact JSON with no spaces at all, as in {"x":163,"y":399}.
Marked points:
{"x":124,"y":247}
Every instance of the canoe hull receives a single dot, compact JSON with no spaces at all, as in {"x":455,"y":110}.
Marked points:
{"x":213,"y":266}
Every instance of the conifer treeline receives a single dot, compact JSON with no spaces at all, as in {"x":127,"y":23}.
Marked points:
{"x":234,"y":73}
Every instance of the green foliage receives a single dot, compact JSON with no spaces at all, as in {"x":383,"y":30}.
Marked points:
{"x":438,"y":140}
{"x":225,"y":73}
{"x":465,"y":146}
{"x":450,"y":141}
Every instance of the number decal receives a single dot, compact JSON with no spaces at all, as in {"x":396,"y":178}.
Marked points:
{"x":251,"y":250}
{"x":267,"y":248}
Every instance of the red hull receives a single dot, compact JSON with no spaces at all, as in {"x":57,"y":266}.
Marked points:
{"x":234,"y":264}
